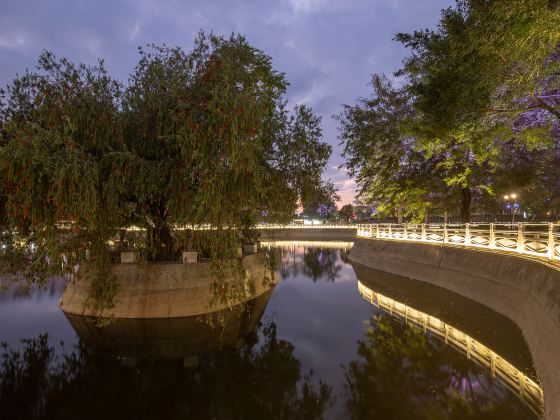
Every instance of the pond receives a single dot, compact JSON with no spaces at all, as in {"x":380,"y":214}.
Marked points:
{"x":332,"y":340}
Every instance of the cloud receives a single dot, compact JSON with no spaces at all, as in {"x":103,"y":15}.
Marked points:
{"x":327,"y":48}
{"x":307,"y":6}
{"x":12,"y":41}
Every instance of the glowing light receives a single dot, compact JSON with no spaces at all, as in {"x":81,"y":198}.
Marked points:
{"x":514,"y":379}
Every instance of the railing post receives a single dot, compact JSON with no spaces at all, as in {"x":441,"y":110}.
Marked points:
{"x":390,"y":232}
{"x":377,"y":231}
{"x":423,"y":237}
{"x":405,"y":235}
{"x":520,"y":238}
{"x":550,"y":251}
{"x":467,"y":234}
{"x":491,"y":237}
{"x":445,"y":238}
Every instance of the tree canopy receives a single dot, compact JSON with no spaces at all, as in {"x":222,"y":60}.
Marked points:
{"x":198,"y":137}
{"x":488,"y":73}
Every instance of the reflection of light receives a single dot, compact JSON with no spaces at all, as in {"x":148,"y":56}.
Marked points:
{"x":318,"y":244}
{"x":515,"y":380}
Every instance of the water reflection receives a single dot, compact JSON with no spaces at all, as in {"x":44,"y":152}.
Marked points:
{"x":257,"y":363}
{"x":316,"y":261}
{"x":184,"y":338}
{"x":401,"y":373}
{"x":120,"y":372}
{"x":511,"y":377}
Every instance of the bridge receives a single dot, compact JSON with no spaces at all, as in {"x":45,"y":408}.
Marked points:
{"x":540,"y":240}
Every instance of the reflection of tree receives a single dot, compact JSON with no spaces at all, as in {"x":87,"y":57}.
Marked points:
{"x":404,"y":374}
{"x":321,"y":263}
{"x":313,"y":262}
{"x":261,"y":379}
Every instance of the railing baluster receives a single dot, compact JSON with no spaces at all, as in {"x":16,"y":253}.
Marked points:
{"x":492,"y":237}
{"x":505,"y":238}
{"x":520,"y":238}
{"x":550,"y":248}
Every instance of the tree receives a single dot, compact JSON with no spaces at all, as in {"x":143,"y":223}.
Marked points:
{"x":193,"y":138}
{"x":383,"y":157}
{"x":321,"y":203}
{"x":487,"y":73}
{"x":346,"y":212}
{"x":471,"y":77}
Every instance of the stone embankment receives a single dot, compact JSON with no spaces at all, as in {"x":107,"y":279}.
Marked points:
{"x":525,"y":290}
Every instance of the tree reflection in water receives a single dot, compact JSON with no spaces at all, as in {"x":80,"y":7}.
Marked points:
{"x":260,"y":379}
{"x":404,"y":373}
{"x":316,"y":263}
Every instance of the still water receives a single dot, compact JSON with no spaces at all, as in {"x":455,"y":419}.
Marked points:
{"x":331,"y":340}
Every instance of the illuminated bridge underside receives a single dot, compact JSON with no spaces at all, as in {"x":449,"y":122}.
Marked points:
{"x":515,"y":380}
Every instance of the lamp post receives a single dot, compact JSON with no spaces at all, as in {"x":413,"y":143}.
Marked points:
{"x":511,"y":206}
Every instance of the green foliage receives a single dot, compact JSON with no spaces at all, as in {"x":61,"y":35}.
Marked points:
{"x":384,"y":157}
{"x":192,"y":138}
{"x":482,"y":77}
{"x":346,"y":212}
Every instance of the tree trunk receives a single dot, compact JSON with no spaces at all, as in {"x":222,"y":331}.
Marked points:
{"x":466,"y":198}
{"x":160,"y":244}
{"x":160,"y":240}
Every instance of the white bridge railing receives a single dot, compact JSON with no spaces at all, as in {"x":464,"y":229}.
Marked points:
{"x":515,"y":380}
{"x":539,"y":239}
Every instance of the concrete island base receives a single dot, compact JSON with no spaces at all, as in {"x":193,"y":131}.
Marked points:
{"x":166,"y":290}
{"x":522,"y":289}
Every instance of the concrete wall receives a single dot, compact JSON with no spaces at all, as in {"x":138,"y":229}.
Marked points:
{"x":494,"y":330}
{"x":309,"y":234}
{"x":172,"y":338}
{"x":522,"y":289}
{"x":165,"y":290}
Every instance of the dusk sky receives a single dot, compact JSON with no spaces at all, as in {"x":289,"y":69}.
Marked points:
{"x":327,"y":48}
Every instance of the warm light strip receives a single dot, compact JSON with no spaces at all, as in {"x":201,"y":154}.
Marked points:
{"x":258,"y":227}
{"x":527,"y":389}
{"x":314,"y":244}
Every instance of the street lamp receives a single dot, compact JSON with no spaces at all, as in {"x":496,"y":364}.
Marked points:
{"x":511,"y":206}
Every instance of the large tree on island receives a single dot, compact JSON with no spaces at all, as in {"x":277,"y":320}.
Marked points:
{"x":194,"y":138}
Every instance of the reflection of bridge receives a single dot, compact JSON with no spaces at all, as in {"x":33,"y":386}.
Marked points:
{"x":540,"y":239}
{"x":515,"y":380}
